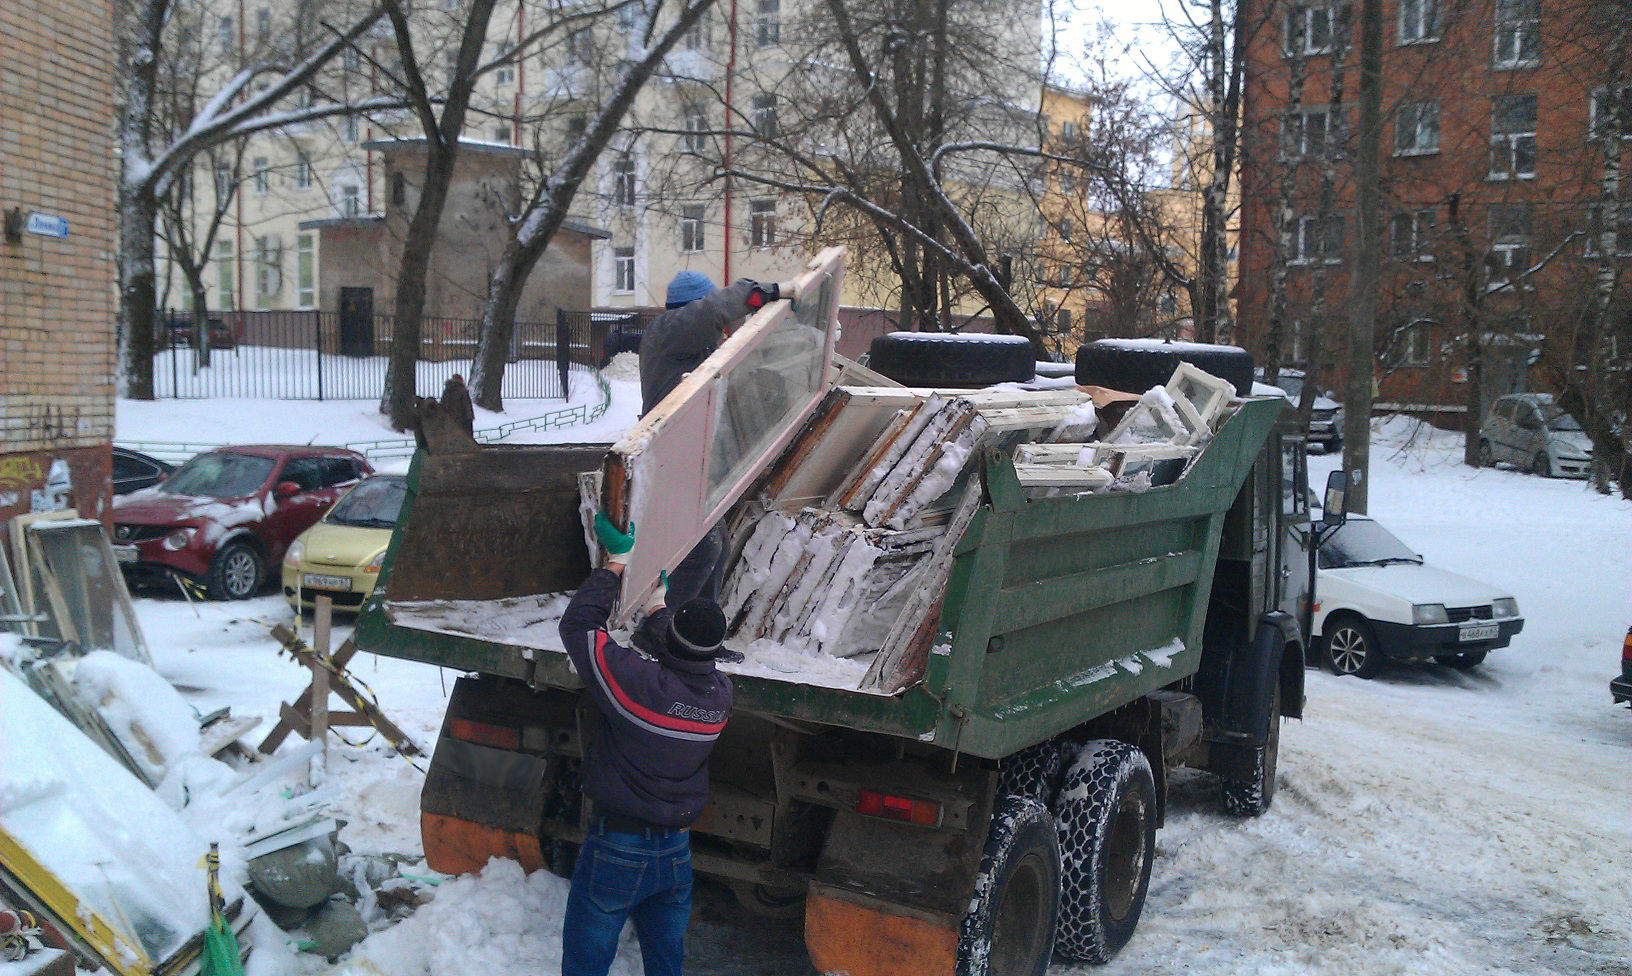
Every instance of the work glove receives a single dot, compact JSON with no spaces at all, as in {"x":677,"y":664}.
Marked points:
{"x":614,"y":542}
{"x":789,"y":290}
{"x":660,"y":596}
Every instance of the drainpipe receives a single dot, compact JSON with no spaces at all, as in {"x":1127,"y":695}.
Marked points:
{"x":730,"y":73}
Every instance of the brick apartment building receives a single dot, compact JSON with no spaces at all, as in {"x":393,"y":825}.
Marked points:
{"x":57,"y":297}
{"x":1493,"y":154}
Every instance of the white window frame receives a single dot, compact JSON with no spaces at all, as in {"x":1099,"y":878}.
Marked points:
{"x":268,"y":269}
{"x":696,"y":37}
{"x":1419,"y":21}
{"x":505,"y":74}
{"x":1510,"y":250}
{"x":1311,"y":239}
{"x":223,"y":180}
{"x":623,"y":271}
{"x":624,"y":189}
{"x":581,"y":46}
{"x":1418,"y":239}
{"x":768,"y":23}
{"x":306,"y":271}
{"x":303,"y":171}
{"x":761,"y":223}
{"x":1416,"y":345}
{"x":1507,"y":146}
{"x":693,"y":228}
{"x":1510,"y":31}
{"x":1310,"y":13}
{"x":349,"y":200}
{"x":260,"y":176}
{"x":1295,"y":140}
{"x":694,"y":118}
{"x":1419,"y":120}
{"x":766,"y":125}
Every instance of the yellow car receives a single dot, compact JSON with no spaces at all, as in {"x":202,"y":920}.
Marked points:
{"x":340,"y":556}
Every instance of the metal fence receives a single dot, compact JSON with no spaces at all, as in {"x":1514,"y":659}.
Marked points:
{"x":327,"y":356}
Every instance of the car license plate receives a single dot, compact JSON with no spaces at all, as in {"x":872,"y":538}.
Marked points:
{"x":126,"y":554}
{"x":1479,"y":632}
{"x":313,"y":581}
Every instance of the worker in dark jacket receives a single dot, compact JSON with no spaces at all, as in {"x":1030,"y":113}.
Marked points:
{"x":645,"y":767}
{"x":697,"y":318}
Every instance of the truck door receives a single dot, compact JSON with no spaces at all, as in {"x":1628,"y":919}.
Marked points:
{"x":1295,"y":530}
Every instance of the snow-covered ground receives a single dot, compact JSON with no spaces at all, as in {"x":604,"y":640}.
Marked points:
{"x":1429,"y":821}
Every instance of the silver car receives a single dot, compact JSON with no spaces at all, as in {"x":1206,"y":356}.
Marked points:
{"x":1530,"y":432}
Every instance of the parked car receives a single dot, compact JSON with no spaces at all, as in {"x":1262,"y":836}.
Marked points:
{"x":1377,"y":600}
{"x":180,"y":329}
{"x":133,"y":471}
{"x":340,"y":556}
{"x":1325,"y":416}
{"x":1529,"y":431}
{"x":1620,"y":689}
{"x":226,"y":515}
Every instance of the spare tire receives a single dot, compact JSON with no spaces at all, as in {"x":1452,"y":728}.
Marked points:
{"x":956,"y":359}
{"x":1136,"y":365}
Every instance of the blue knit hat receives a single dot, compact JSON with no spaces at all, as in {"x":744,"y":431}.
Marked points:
{"x":687,"y":287}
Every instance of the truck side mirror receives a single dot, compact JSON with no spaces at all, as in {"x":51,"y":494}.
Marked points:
{"x":1332,"y":510}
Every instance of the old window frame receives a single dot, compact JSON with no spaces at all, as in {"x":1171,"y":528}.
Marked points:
{"x":1511,"y":139}
{"x":1516,"y":31}
{"x":623,"y":270}
{"x":693,"y":228}
{"x":1420,"y":122}
{"x":623,"y":179}
{"x":762,"y":223}
{"x":1419,"y":21}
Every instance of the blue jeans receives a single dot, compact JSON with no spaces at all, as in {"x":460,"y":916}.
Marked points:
{"x":645,"y":877}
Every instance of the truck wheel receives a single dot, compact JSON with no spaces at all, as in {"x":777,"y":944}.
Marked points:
{"x":768,"y":901}
{"x":1009,"y":930}
{"x":952,"y":359}
{"x":1462,"y":662}
{"x":1250,"y":795}
{"x":235,"y":573}
{"x":1106,"y":814}
{"x":1034,"y":771}
{"x":1351,"y":648}
{"x":1137,"y":368}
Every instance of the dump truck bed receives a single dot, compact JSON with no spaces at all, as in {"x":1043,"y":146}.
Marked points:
{"x":1055,"y":609}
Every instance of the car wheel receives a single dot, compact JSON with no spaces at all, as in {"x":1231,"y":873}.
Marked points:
{"x":1106,"y":812}
{"x":952,"y":360}
{"x":1540,"y":465}
{"x":1250,"y":795}
{"x":1486,"y":458}
{"x":1351,"y":648}
{"x":236,"y":572}
{"x":1009,"y":930}
{"x":1462,"y":662}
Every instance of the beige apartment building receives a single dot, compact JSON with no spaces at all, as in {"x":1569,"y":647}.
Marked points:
{"x":57,"y":292}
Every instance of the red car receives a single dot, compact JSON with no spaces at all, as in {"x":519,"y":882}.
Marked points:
{"x":227,"y":515}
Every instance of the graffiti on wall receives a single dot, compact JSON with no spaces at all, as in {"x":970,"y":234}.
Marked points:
{"x":51,"y":481}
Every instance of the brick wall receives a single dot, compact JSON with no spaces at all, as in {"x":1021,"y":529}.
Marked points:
{"x":57,"y":295}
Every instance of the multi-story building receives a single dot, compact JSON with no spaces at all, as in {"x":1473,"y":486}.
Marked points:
{"x":1493,"y":153}
{"x":56,"y":256}
{"x":735,"y":95}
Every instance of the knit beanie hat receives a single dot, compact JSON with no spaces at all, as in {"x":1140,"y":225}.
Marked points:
{"x":696,"y":630}
{"x":687,"y":287}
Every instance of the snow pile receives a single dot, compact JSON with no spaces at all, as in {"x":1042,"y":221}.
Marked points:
{"x":624,"y":366}
{"x":156,"y":725}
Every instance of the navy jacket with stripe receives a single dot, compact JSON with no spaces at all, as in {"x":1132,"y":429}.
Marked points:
{"x":647,"y":755}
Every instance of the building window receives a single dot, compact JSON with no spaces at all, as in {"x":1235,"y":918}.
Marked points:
{"x":263,"y":25}
{"x":1419,"y":21}
{"x":691,"y":228}
{"x":1518,"y":33}
{"x":501,"y":133}
{"x":1513,"y":137}
{"x":768,"y":28}
{"x":1416,"y":344}
{"x":623,"y":268}
{"x":226,"y":279}
{"x":226,"y":35}
{"x":348,"y":129}
{"x":1411,"y":234}
{"x":303,"y":171}
{"x":305,"y":271}
{"x":1067,"y":226}
{"x":1068,"y":181}
{"x":268,"y":269}
{"x":1309,"y":29}
{"x":1416,"y":129}
{"x":1616,"y":219}
{"x":761,"y":223}
{"x":1062,"y":276}
{"x":351,"y":200}
{"x":1312,"y":132}
{"x":260,"y":178}
{"x":504,"y":74}
{"x":581,"y":47}
{"x":765,"y":125}
{"x":1510,"y":245}
{"x":223,"y":181}
{"x":623,"y":180}
{"x":1068,"y":131}
{"x":1605,"y":114}
{"x":695,"y":120}
{"x":696,"y":36}
{"x":1314,"y":238}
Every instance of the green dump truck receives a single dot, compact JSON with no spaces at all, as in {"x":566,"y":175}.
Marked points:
{"x":986,"y":797}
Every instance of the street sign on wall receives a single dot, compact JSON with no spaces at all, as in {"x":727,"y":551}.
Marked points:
{"x":46,"y":225}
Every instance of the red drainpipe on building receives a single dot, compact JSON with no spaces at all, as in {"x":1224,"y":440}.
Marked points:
{"x":730,"y":73}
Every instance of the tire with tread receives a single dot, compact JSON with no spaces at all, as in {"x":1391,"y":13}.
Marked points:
{"x":1351,"y":647}
{"x":1251,"y":795}
{"x":1106,"y":815}
{"x":952,"y":359}
{"x":1009,"y":930}
{"x":236,"y":572}
{"x":1135,"y":369}
{"x":1035,"y":771}
{"x":1463,"y":661}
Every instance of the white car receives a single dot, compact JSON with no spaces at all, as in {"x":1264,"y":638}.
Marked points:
{"x":1376,"y":600}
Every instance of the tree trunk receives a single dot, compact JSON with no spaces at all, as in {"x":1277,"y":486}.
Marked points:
{"x":1470,"y":295}
{"x":498,"y":326}
{"x":138,"y":292}
{"x":1362,"y":353}
{"x":201,"y":315}
{"x":408,"y":310}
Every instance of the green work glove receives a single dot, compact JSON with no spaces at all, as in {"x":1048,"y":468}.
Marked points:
{"x":614,"y":542}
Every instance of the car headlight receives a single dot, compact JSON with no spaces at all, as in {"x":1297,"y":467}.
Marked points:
{"x":178,"y":539}
{"x":297,"y":552}
{"x":375,"y":563}
{"x":1505,"y":607}
{"x":1429,"y":613}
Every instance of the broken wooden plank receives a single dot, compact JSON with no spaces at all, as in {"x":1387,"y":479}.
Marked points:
{"x":893,"y":442}
{"x":1034,"y":417}
{"x":1048,"y":453}
{"x":1061,"y":476}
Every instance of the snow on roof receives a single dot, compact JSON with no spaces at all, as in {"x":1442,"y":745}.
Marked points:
{"x":1166,"y":345}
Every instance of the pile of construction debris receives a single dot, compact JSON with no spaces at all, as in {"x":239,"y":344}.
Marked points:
{"x":835,"y":571}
